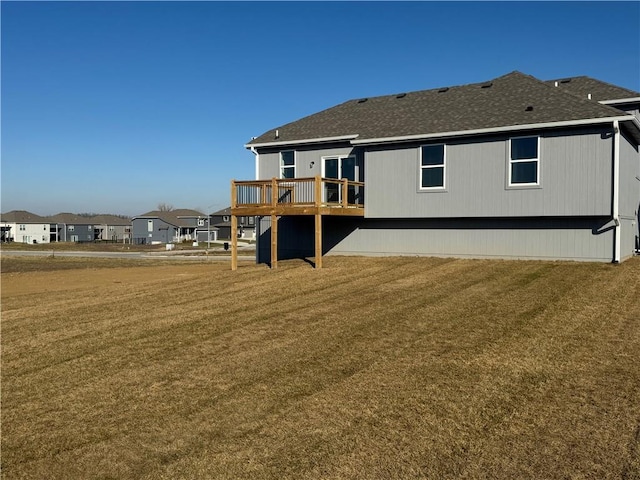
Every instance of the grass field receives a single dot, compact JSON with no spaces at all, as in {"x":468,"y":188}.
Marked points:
{"x":378,"y":368}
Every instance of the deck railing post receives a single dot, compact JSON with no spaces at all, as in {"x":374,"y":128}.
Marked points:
{"x":234,"y":194}
{"x":317,"y":187}
{"x":345,"y":192}
{"x":274,"y":192}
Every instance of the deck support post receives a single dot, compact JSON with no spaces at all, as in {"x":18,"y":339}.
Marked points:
{"x":234,"y":242}
{"x":318,"y":241}
{"x":234,"y":227}
{"x":282,"y":197}
{"x":274,"y":223}
{"x":318,"y":220}
{"x":274,"y":241}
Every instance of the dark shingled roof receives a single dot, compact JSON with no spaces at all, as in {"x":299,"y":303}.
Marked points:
{"x":173,"y":217}
{"x":511,"y":100}
{"x":107,"y":219}
{"x":22,"y":216}
{"x":600,"y":91}
{"x":71,"y":218}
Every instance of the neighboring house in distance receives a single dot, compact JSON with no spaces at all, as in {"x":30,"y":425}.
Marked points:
{"x":167,"y":227}
{"x":74,"y":228}
{"x":112,"y":228}
{"x":222,"y":221}
{"x":26,"y":227}
{"x":510,"y":168}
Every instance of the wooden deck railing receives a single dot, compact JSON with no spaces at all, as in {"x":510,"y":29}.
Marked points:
{"x":278,"y":197}
{"x":297,"y":192}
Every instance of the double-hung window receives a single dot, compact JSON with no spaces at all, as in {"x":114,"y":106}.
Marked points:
{"x":287,"y":164}
{"x":524,"y":161}
{"x":432,"y":167}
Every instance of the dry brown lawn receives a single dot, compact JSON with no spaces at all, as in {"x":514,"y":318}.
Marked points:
{"x":387,"y":368}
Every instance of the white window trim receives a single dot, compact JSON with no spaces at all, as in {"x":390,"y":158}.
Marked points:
{"x":340,"y":158}
{"x":510,"y":183}
{"x":282,"y":166}
{"x":443,"y":166}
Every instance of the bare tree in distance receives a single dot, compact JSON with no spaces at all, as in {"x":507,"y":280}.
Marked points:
{"x":165,"y":207}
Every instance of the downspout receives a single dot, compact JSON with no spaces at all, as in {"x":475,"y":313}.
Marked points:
{"x":255,"y":152}
{"x":616,"y":191}
{"x":256,"y":222}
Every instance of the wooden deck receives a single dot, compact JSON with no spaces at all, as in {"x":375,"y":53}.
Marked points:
{"x":315,"y":196}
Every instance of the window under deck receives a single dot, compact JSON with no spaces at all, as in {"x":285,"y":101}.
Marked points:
{"x":315,"y":196}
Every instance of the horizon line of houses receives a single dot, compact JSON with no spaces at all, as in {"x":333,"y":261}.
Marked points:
{"x":154,"y":227}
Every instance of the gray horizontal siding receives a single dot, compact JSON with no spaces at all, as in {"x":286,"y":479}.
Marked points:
{"x":575,"y":179}
{"x":540,"y":238}
{"x":629,"y":178}
{"x":268,"y":166}
{"x":308,"y":161}
{"x":629,"y":198}
{"x":629,"y":237}
{"x":584,"y":239}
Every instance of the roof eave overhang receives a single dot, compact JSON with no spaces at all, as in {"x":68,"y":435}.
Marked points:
{"x":620,"y":101}
{"x":308,"y":141}
{"x":492,"y":130}
{"x":636,"y":131}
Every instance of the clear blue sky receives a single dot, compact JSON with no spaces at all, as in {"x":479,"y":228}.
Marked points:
{"x":114,"y":107}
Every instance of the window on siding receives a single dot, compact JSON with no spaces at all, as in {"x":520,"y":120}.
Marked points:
{"x":287,"y":164}
{"x":432,"y":166}
{"x":524,"y":161}
{"x":71,"y":228}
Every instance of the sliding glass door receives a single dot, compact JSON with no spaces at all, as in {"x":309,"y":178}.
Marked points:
{"x":341,"y":167}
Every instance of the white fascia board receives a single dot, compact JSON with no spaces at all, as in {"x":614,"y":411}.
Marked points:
{"x":483,"y":131}
{"x":620,"y":100}
{"x":300,"y":142}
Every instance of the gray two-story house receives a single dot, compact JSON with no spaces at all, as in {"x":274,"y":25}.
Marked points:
{"x":221,"y":221}
{"x":510,"y":168}
{"x":74,"y":228}
{"x":173,"y":226}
